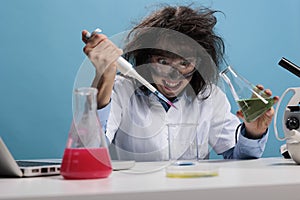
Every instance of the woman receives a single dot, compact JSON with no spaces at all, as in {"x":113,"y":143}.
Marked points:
{"x":175,"y":49}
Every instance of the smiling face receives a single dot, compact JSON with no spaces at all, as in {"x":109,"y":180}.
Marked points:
{"x":171,"y":74}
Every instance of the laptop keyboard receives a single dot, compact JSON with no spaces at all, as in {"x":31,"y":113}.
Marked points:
{"x":23,"y":163}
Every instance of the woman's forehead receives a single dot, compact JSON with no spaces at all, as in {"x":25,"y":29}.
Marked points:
{"x":172,"y":55}
{"x":176,"y":48}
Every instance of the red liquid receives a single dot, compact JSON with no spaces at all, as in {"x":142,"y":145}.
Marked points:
{"x":84,"y":163}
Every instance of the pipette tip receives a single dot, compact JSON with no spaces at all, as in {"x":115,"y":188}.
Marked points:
{"x":159,"y":95}
{"x":171,"y":104}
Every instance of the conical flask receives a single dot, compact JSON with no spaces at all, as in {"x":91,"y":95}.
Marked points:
{"x":252,"y":102}
{"x":86,"y":155}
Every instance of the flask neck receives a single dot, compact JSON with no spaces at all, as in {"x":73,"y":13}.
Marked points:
{"x":85,"y":101}
{"x":86,"y":128}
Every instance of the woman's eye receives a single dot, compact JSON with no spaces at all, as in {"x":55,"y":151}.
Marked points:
{"x":163,"y":61}
{"x":184,"y":64}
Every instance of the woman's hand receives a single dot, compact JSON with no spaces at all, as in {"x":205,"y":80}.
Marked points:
{"x":257,"y":128}
{"x":103,"y":54}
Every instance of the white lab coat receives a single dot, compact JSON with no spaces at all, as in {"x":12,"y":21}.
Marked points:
{"x":137,"y":125}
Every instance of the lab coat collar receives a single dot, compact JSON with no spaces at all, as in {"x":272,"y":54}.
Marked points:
{"x":148,"y":93}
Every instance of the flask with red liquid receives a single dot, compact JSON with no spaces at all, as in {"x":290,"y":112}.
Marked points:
{"x":86,"y":155}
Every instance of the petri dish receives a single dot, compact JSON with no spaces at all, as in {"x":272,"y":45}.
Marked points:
{"x":190,"y":170}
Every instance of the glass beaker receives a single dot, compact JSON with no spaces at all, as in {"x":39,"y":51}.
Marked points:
{"x":183,"y":141}
{"x":86,"y":155}
{"x":249,"y":98}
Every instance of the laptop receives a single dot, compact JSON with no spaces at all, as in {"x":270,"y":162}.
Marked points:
{"x":9,"y":167}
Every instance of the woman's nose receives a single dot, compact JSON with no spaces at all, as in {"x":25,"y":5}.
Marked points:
{"x":174,"y":74}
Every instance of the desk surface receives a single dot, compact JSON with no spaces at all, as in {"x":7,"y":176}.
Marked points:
{"x":270,"y":178}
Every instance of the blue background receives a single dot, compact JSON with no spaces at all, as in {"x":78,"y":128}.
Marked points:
{"x":41,"y":52}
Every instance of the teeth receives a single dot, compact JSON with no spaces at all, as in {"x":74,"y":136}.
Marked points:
{"x":171,"y":84}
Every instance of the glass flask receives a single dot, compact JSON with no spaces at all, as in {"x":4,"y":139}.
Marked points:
{"x":86,"y":155}
{"x":252,"y":102}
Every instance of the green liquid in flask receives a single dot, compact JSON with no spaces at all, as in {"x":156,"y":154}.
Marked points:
{"x":253,"y":108}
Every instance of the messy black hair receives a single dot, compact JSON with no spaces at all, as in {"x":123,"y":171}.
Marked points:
{"x":196,"y":24}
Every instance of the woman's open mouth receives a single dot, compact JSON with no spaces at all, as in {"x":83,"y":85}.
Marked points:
{"x":171,"y":85}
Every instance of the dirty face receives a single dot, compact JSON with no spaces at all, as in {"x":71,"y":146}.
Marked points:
{"x":171,"y":74}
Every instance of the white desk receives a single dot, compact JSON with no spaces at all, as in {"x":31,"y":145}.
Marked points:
{"x":267,"y":178}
